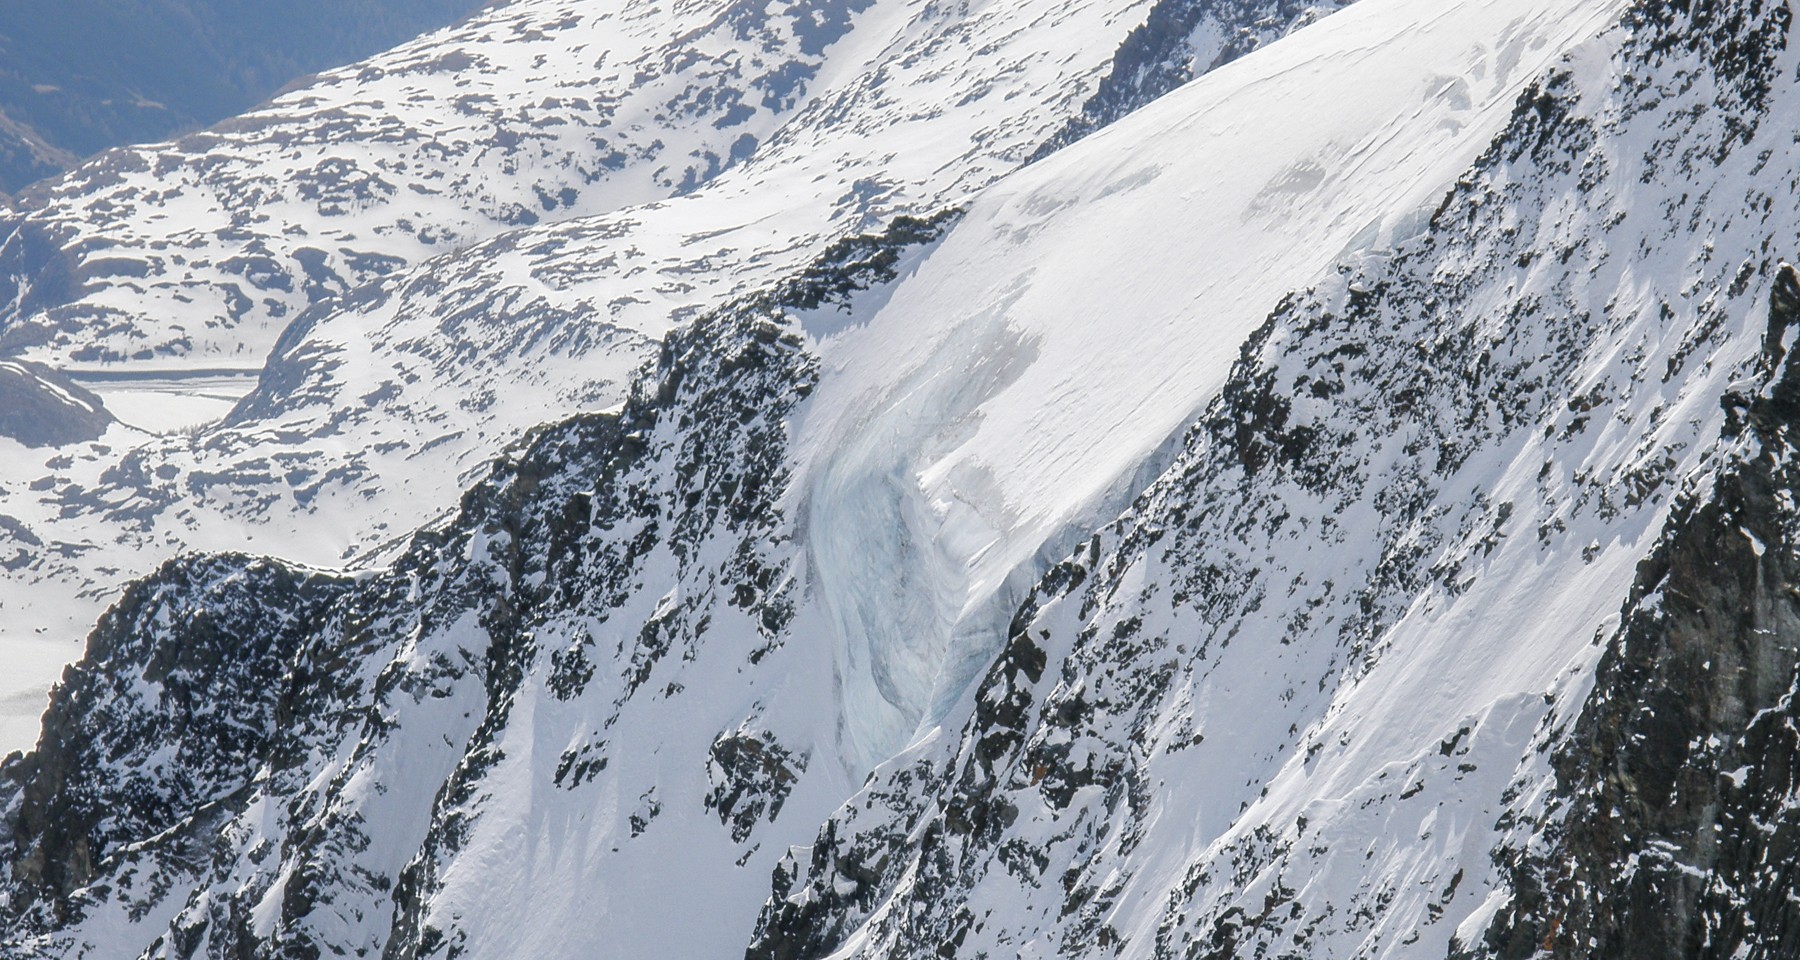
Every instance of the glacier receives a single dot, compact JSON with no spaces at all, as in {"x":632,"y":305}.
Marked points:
{"x":516,"y":281}
{"x":1056,"y":380}
{"x":1340,"y":508}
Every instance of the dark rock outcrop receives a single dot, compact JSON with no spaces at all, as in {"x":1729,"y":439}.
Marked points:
{"x":160,"y":727}
{"x":1677,"y":837}
{"x":209,"y":756}
{"x":39,"y":408}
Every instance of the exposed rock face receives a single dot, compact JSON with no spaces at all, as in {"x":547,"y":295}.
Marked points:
{"x":1118,"y":787}
{"x":186,"y":685}
{"x":752,"y":778}
{"x":478,"y":232}
{"x":1676,"y":834}
{"x":1348,"y":678}
{"x":38,"y":408}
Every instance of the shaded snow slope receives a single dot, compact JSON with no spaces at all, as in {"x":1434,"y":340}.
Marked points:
{"x":40,"y":409}
{"x":78,"y":77}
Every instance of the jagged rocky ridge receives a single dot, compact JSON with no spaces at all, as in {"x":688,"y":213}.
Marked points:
{"x":255,"y":759}
{"x":1675,"y":831}
{"x":1363,"y":673}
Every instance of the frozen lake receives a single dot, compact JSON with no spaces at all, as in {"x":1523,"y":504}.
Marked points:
{"x":168,"y":401}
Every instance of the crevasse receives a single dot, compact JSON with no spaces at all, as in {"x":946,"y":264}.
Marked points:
{"x":894,"y":541}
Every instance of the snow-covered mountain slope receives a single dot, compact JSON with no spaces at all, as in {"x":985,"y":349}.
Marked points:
{"x":1054,"y":377}
{"x":78,"y":76}
{"x":738,"y":143}
{"x":1460,"y":625}
{"x":40,"y":409}
{"x":607,"y":564}
{"x":1276,"y":525}
{"x":203,"y":249}
{"x":1178,"y":41}
{"x":199,"y":251}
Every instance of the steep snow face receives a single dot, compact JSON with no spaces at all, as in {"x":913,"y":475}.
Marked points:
{"x":1304,"y":694}
{"x":1010,"y":395}
{"x":1178,"y":41}
{"x":1283,"y":702}
{"x":383,"y":399}
{"x":488,"y":746}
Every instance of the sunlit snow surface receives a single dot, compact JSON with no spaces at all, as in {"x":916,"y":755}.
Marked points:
{"x":1495,"y":418}
{"x":178,"y":402}
{"x":1013,"y":391}
{"x":1025,"y":378}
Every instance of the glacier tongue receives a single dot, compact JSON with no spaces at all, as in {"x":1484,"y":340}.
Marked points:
{"x":1015,"y":389}
{"x":894,"y":548}
{"x":1328,"y":688}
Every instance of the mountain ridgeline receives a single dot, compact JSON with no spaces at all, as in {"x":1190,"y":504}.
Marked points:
{"x":428,"y":253}
{"x":215,"y":689}
{"x":1000,"y":581}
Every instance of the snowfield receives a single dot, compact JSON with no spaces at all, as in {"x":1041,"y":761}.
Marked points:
{"x":1026,"y":380}
{"x":427,"y":247}
{"x":1342,"y":508}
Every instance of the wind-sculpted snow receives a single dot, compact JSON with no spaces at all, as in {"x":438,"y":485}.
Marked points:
{"x":1178,"y":41}
{"x":1019,"y":390}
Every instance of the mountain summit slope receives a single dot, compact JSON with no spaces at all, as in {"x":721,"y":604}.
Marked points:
{"x":1340,"y":509}
{"x":1430,"y":643}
